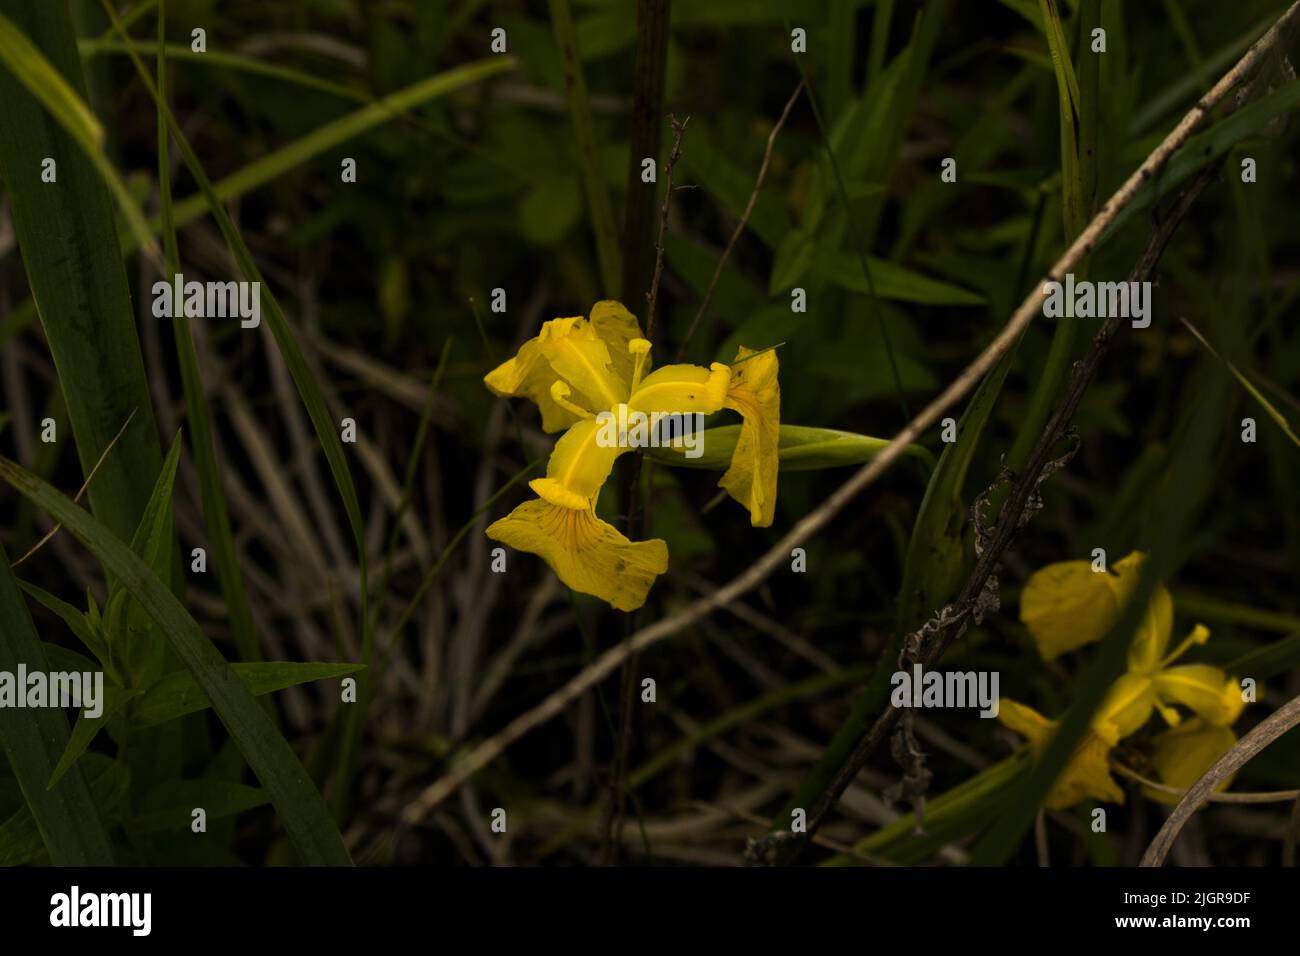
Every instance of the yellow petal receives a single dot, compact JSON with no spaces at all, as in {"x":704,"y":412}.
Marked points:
{"x":579,"y":465}
{"x":529,"y":375}
{"x":755,"y":393}
{"x":1026,"y":721}
{"x":1204,"y":689}
{"x":1152,"y":637}
{"x":1067,"y":605}
{"x":616,"y":327}
{"x":586,"y":553}
{"x":1182,"y":755}
{"x":682,"y":389}
{"x":579,"y":356}
{"x":1125,"y":708}
{"x":1086,"y":774}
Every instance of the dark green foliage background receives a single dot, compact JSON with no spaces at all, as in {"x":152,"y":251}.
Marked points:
{"x":487,"y":187}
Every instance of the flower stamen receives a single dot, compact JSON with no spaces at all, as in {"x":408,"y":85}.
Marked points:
{"x":560,"y":393}
{"x":1200,"y":634}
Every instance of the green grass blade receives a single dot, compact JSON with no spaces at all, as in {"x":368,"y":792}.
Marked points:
{"x":216,"y":513}
{"x":34,"y":739}
{"x":1207,"y":146}
{"x":76,"y":622}
{"x":1190,"y":83}
{"x":87,"y":729}
{"x":1067,"y":87}
{"x":306,"y":148}
{"x":46,"y":83}
{"x":301,"y":808}
{"x":1279,"y":419}
{"x":180,"y":693}
{"x":949,"y":817}
{"x":29,"y":67}
{"x":21,"y":840}
{"x":80,"y":288}
{"x":169,"y":805}
{"x":232,"y":61}
{"x":313,"y":400}
{"x":132,"y":637}
{"x":1078,"y":125}
{"x":935,"y":557}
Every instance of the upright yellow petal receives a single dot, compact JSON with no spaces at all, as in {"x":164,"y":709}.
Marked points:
{"x":616,"y":327}
{"x":586,"y":553}
{"x":1204,"y":689}
{"x":755,"y":392}
{"x":682,"y":389}
{"x":579,"y":465}
{"x":1067,"y":605}
{"x":581,"y":358}
{"x":1152,"y":637}
{"x":1183,"y":754}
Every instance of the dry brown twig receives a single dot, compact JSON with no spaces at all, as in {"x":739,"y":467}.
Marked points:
{"x":1244,"y":796}
{"x":744,"y":220}
{"x":481,"y":755}
{"x":652,"y":296}
{"x":80,"y":492}
{"x":1268,"y":730}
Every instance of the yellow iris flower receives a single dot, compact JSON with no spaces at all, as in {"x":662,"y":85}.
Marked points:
{"x":575,"y":371}
{"x":1067,"y":605}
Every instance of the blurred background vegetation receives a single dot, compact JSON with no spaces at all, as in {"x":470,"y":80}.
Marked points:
{"x":508,"y":177}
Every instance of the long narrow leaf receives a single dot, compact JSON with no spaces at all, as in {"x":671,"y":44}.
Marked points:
{"x":216,"y":515}
{"x":301,"y":807}
{"x":35,"y":738}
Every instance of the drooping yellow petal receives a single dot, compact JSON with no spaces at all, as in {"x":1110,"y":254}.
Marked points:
{"x":682,"y":389}
{"x":1125,"y":708}
{"x":580,"y":464}
{"x":1067,"y":605}
{"x":1204,"y":689}
{"x":588,"y":555}
{"x":580,"y":357}
{"x":755,"y":392}
{"x":529,"y":375}
{"x":1182,"y":755}
{"x":1086,"y":774}
{"x":617,"y":327}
